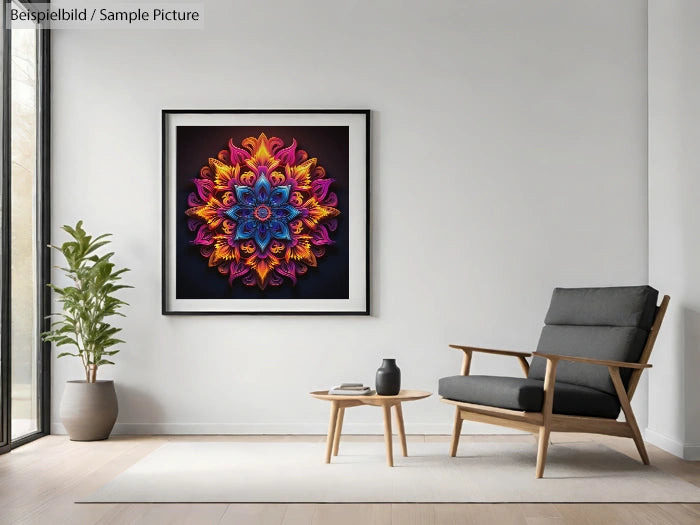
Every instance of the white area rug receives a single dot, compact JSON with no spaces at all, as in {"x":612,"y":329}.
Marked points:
{"x":295,"y":473}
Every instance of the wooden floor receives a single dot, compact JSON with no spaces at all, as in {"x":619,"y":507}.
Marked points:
{"x":40,"y":481}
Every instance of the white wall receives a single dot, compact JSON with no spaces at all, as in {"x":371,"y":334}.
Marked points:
{"x":674,"y":221}
{"x":509,"y":156}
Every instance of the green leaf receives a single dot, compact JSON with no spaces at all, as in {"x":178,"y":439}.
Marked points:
{"x":66,"y":341}
{"x":119,"y":272}
{"x":63,"y":354}
{"x":70,"y":230}
{"x":111,"y":342}
{"x":95,"y":245}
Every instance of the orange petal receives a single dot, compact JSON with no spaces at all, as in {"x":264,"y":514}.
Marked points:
{"x":317,"y":212}
{"x":302,"y":173}
{"x":222,"y":172}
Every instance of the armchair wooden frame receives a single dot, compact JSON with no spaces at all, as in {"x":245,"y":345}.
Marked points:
{"x":543,"y":423}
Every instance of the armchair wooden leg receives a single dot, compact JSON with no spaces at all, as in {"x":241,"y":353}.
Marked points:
{"x":456,"y":431}
{"x":542,"y":445}
{"x":547,"y":405}
{"x":629,"y":414}
{"x":639,"y":442}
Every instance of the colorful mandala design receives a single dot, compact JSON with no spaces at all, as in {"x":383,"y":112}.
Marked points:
{"x":262,"y":213}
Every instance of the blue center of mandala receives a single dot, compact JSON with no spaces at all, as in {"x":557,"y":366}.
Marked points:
{"x":262,"y":212}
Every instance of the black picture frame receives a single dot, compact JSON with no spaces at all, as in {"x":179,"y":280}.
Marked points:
{"x":358,"y":144}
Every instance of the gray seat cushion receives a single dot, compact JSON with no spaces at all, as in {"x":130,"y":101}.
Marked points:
{"x":600,"y":323}
{"x":526,"y":394}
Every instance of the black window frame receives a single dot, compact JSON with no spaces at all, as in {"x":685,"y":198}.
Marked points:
{"x":43,"y":223}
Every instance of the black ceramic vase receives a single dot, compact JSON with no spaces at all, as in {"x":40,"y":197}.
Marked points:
{"x":388,"y":380}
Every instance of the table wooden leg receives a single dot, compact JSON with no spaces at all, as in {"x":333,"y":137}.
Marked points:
{"x":387,"y":435}
{"x":338,"y":430}
{"x":331,"y":429}
{"x":400,"y":428}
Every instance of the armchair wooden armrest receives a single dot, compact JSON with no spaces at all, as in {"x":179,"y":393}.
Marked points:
{"x":603,"y":362}
{"x":468,"y":356}
{"x":491,"y":351}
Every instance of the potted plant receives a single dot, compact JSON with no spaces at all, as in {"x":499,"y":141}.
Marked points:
{"x":88,"y":407}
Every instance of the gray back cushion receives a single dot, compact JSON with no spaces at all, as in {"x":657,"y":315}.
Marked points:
{"x":614,"y":306}
{"x":600,"y":323}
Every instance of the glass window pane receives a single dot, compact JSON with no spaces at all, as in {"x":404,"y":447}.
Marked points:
{"x":23,"y":286}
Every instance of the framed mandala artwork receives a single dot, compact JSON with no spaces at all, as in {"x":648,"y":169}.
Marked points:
{"x":265,"y":211}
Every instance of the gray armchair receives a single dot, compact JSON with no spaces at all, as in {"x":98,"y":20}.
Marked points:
{"x":593,"y":348}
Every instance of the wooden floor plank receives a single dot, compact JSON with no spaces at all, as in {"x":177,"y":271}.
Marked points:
{"x":299,"y":514}
{"x":349,"y":514}
{"x":254,"y":514}
{"x":617,"y":514}
{"x":545,"y":521}
{"x":413,"y":514}
{"x":535,"y":511}
{"x":681,"y":514}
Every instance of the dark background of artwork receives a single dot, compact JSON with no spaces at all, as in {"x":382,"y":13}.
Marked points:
{"x":193,"y":277}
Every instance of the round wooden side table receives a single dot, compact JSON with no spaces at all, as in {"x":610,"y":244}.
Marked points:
{"x":339,"y":403}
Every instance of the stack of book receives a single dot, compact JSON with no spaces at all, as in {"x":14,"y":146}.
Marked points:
{"x":351,"y":389}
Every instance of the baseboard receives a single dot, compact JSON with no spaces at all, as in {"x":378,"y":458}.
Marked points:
{"x":691,"y":452}
{"x":288,"y":428}
{"x":688,"y":451}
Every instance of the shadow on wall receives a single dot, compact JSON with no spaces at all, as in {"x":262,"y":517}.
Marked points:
{"x":691,"y":359}
{"x":142,"y":407}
